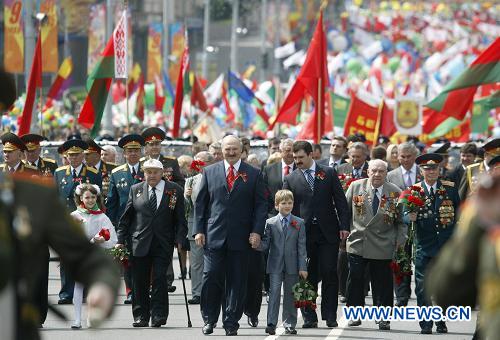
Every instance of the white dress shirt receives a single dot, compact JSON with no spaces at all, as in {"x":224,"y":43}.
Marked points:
{"x":159,"y":189}
{"x":413,"y":174}
{"x":135,"y":167}
{"x":312,"y":168}
{"x":332,"y":161}
{"x":78,"y":169}
{"x":236,"y":167}
{"x":283,"y":166}
{"x":434,"y":187}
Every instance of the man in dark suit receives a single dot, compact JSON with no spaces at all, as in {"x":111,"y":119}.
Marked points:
{"x":154,"y":221}
{"x":320,"y":201}
{"x":230,"y":213}
{"x":468,"y":153}
{"x":338,"y":148}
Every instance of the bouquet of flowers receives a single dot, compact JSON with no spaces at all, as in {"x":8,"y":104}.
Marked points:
{"x":196,"y":166}
{"x":105,"y":234}
{"x":401,"y":265}
{"x":346,"y":180}
{"x":120,"y":255}
{"x":304,"y":294}
{"x":413,"y":200}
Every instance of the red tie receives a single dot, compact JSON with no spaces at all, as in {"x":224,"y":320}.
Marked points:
{"x":287,"y":170}
{"x":230,"y":178}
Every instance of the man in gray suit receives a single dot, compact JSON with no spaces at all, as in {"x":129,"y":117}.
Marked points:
{"x":357,"y":168}
{"x":404,"y":176}
{"x":377,"y":230}
{"x":191,"y":189}
{"x":284,"y":234}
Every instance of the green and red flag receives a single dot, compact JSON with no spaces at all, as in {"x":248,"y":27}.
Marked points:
{"x":457,"y":97}
{"x":113,"y":64}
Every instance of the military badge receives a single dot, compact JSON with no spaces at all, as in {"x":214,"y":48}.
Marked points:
{"x":172,"y":198}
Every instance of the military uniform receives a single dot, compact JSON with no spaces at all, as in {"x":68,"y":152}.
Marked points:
{"x":22,"y":167}
{"x":12,"y":143}
{"x":103,"y":169}
{"x":434,"y":226}
{"x":46,"y":166}
{"x":42,"y":222}
{"x":475,"y":171}
{"x":171,"y":167}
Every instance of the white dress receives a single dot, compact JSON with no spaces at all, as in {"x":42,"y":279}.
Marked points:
{"x":92,"y":224}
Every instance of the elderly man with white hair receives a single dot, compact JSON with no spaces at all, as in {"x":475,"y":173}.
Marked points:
{"x":377,"y":230}
{"x":108,"y":154}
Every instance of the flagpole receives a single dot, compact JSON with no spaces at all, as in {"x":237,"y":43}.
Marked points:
{"x":125,"y":7}
{"x":41,"y":71}
{"x":319,"y":110}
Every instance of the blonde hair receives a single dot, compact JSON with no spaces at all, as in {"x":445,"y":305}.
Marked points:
{"x":274,"y":158}
{"x":283,"y":195}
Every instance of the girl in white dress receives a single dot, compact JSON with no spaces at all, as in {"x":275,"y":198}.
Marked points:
{"x":96,"y":226}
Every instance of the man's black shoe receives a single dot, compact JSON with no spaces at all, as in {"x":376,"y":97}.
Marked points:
{"x":290,"y":330}
{"x":158,"y":322}
{"x":195,"y":300}
{"x":208,"y":328}
{"x":402,"y":303}
{"x":128,"y":300}
{"x":332,"y":323}
{"x":384,"y":326}
{"x":354,"y":323}
{"x":140,"y":323}
{"x":271,"y":330}
{"x":171,"y":289}
{"x":441,"y":327}
{"x":313,"y":324}
{"x":64,"y":301}
{"x":426,"y":330}
{"x":231,"y":332}
{"x":253,"y":321}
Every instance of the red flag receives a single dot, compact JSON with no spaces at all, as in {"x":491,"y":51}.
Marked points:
{"x":159,"y":94}
{"x":387,"y":126}
{"x":179,"y":92}
{"x":34,"y":82}
{"x":197,"y":96}
{"x":312,"y":79}
{"x":362,"y":117}
{"x":229,"y":113}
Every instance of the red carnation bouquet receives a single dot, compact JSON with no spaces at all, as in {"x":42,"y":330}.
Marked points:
{"x":346,"y":180}
{"x":119,"y":255}
{"x":304,"y":294}
{"x":197,"y":166}
{"x":401,"y":265}
{"x":412,"y":198}
{"x":105,"y":234}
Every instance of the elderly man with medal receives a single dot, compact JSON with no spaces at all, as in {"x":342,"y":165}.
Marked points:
{"x":435,"y":221}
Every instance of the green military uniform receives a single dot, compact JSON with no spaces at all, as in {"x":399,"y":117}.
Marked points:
{"x":171,"y":167}
{"x":103,"y":169}
{"x":46,"y":166}
{"x":40,"y":221}
{"x":23,"y":167}
{"x":434,"y":226}
{"x":12,"y":143}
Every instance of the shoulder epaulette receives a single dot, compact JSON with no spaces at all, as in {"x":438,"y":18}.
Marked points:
{"x":119,"y":168}
{"x":49,"y":160}
{"x":2,"y":165}
{"x":31,"y":167}
{"x":91,"y":169}
{"x":170,"y":157}
{"x":448,"y":183}
{"x":142,"y":159}
{"x":64,"y":167}
{"x":112,"y":164}
{"x":475,"y":165}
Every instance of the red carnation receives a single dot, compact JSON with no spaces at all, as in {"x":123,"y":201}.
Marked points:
{"x":105,"y":233}
{"x":197,"y":166}
{"x":415,"y":200}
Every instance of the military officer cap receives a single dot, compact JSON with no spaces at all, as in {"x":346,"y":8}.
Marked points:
{"x":7,"y":90}
{"x":74,"y":146}
{"x":131,"y":141}
{"x":429,"y":160}
{"x":492,"y":146}
{"x":153,"y":134}
{"x":12,"y":142}
{"x":441,"y":149}
{"x":495,"y":162}
{"x":74,"y":136}
{"x":32,"y":141}
{"x":93,"y":147}
{"x":152,"y":164}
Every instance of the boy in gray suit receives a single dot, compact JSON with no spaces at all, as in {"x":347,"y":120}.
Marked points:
{"x":284,"y":234}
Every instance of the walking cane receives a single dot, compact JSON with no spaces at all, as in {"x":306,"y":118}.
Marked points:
{"x":184,"y":288}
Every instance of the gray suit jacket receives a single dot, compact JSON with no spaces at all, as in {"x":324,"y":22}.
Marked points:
{"x":287,"y":253}
{"x":396,"y":177}
{"x":191,"y":182}
{"x":374,"y":237}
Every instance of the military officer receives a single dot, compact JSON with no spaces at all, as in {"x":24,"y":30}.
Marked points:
{"x":442,"y":149}
{"x":153,"y":137}
{"x":67,"y":178}
{"x":435,"y":222}
{"x":471,"y":258}
{"x":46,"y":166}
{"x":13,"y":148}
{"x":473,"y":172}
{"x":121,"y":179}
{"x":93,"y":159}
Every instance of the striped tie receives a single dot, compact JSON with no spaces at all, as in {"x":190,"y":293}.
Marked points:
{"x":152,"y":199}
{"x":310,"y":178}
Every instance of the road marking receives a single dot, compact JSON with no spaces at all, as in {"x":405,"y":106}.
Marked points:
{"x":336,"y":332}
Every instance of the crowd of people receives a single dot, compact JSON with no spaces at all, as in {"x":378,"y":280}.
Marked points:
{"x":338,"y":220}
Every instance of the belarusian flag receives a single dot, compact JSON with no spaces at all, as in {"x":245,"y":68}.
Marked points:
{"x":113,"y":64}
{"x":457,"y":97}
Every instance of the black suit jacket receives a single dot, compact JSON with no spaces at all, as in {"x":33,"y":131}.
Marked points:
{"x":456,"y":175}
{"x":228,"y":217}
{"x":326,"y":162}
{"x":139,"y":224}
{"x":273,"y":179}
{"x":325,"y":203}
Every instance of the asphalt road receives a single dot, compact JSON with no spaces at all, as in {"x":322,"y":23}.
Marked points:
{"x":119,"y":326}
